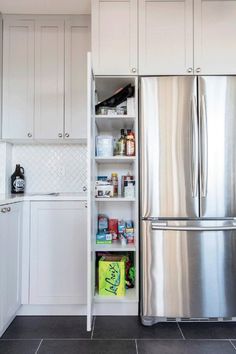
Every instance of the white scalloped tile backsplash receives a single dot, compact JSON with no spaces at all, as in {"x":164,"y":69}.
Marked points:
{"x":52,"y":168}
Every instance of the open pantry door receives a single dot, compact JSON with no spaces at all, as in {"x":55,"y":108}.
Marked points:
{"x":90,"y":188}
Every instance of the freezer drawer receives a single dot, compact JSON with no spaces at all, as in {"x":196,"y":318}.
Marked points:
{"x":188,"y":269}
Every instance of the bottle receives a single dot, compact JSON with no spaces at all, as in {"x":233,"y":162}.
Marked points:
{"x":18,"y":180}
{"x":120,"y":150}
{"x":130,"y":143}
{"x":114,"y":179}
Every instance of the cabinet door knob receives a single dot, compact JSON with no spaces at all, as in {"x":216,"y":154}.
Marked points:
{"x":198,"y":70}
{"x":86,"y":205}
{"x":189,"y":70}
{"x":84,"y":188}
{"x":60,"y":135}
{"x":133,"y":70}
{"x":29,"y":135}
{"x":3,"y":210}
{"x":8,"y":209}
{"x":67,"y":135}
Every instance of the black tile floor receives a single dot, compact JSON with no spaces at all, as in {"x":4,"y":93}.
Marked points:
{"x":115,"y":335}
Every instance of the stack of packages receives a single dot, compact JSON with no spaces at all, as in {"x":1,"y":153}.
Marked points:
{"x":112,"y":230}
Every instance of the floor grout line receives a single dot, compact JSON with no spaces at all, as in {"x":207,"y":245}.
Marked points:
{"x":39,"y":346}
{"x":180,"y":329}
{"x":136,"y":345}
{"x":93,"y":326}
{"x":232,"y":344}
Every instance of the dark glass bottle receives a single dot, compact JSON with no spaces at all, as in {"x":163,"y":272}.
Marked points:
{"x":18,"y":180}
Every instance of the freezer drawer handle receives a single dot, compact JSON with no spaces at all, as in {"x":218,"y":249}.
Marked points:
{"x":164,"y":226}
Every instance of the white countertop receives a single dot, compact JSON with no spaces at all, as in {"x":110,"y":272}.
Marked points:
{"x":15,"y":198}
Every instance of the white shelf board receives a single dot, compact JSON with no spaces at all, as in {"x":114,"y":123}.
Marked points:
{"x":111,"y":124}
{"x":115,"y":159}
{"x":131,"y":296}
{"x":115,"y":247}
{"x":115,"y":199}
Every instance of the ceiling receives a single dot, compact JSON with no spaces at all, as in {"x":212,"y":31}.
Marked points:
{"x":45,"y":6}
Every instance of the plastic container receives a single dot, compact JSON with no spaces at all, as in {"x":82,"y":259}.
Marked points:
{"x":104,"y":145}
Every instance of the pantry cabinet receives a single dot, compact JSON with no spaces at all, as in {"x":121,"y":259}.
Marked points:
{"x":77,"y":44}
{"x":214,"y":37}
{"x":165,"y":37}
{"x":10,"y":263}
{"x":44,"y":77}
{"x":18,"y":79}
{"x":49,"y":79}
{"x":114,"y":37}
{"x":119,"y":207}
{"x":58,"y":253}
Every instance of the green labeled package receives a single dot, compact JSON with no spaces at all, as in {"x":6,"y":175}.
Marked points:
{"x":111,"y":270}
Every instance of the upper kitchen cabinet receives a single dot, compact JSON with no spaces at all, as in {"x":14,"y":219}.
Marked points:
{"x":114,"y":37}
{"x":77,"y":44}
{"x":165,"y":37}
{"x":49,"y":79}
{"x":18,"y":79}
{"x":214,"y":37}
{"x":44,"y":77}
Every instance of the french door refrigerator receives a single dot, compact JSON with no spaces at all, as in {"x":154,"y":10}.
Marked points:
{"x":188,"y":197}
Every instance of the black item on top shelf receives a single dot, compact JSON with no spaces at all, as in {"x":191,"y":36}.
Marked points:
{"x":120,"y":96}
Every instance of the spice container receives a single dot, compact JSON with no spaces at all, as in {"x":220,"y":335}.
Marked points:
{"x":114,"y":179}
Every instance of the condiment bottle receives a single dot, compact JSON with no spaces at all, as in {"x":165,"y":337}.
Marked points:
{"x":114,"y":179}
{"x":120,"y":150}
{"x":130,"y":144}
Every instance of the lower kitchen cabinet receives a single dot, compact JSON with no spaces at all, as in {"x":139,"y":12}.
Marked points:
{"x":10,"y":263}
{"x":58,"y":253}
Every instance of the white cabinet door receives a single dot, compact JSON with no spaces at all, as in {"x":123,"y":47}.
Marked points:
{"x":114,"y":37}
{"x":77,"y":44}
{"x":214,"y":37}
{"x":3,"y":228}
{"x":11,"y":248}
{"x":58,"y":253}
{"x":18,"y":79}
{"x":49,"y":79}
{"x":165,"y":37}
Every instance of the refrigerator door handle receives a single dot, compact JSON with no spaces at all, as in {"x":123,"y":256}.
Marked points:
{"x":204,"y":148}
{"x":164,"y":226}
{"x":194,"y":145}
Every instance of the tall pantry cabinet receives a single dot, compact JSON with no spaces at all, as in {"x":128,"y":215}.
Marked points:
{"x":119,"y":207}
{"x":44,"y":77}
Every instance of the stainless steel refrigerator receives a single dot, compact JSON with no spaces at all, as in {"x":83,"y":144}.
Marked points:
{"x":188,"y":197}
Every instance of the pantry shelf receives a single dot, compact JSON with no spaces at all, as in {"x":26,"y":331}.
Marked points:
{"x":131,"y":296}
{"x":115,"y":248}
{"x":115,"y":159}
{"x":111,"y":124}
{"x":113,"y":199}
